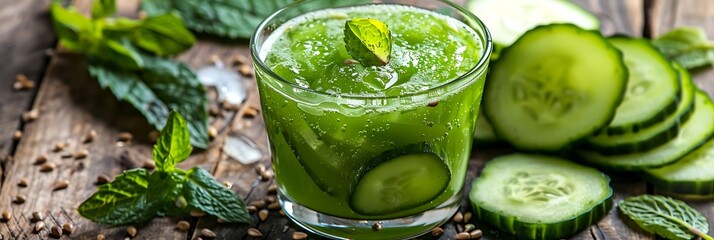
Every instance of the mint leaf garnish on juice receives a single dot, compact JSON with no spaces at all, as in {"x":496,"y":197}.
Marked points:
{"x":368,"y":41}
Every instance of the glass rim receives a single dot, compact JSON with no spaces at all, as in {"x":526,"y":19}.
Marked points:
{"x":479,"y":67}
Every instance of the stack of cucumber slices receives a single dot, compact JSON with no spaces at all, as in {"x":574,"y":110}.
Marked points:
{"x":615,"y":103}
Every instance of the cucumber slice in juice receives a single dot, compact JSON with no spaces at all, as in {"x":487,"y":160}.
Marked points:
{"x":507,"y":20}
{"x":400,"y":183}
{"x":557,"y":84}
{"x":693,"y":174}
{"x":652,"y":88}
{"x":693,"y":134}
{"x":652,"y":136}
{"x":540,"y":197}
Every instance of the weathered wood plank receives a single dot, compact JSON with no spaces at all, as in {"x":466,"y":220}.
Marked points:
{"x":70,"y":105}
{"x":25,"y":34}
{"x":667,"y":15}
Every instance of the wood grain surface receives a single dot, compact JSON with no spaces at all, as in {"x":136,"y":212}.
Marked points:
{"x":71,"y":104}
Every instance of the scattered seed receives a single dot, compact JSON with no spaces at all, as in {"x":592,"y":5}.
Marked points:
{"x":377,"y":227}
{"x":282,"y":213}
{"x":197,"y":213}
{"x":37,"y":216}
{"x":258,"y":203}
{"x":469,"y":227}
{"x":39,"y":226}
{"x":207,"y":233}
{"x":476,"y":234}
{"x":251,"y":209}
{"x":263,"y":215}
{"x":215,"y":59}
{"x":55,"y":232}
{"x":59,"y":147}
{"x":23,"y":83}
{"x":433,"y":104}
{"x":271,"y":199}
{"x":467,"y":216}
{"x":149,"y":164}
{"x":153,"y":135}
{"x":81,"y":154}
{"x":245,"y":70}
{"x":250,"y":112}
{"x":6,"y":216}
{"x":66,"y":154}
{"x":214,"y":111}
{"x":47,"y":167}
{"x":131,"y":230}
{"x":91,"y":135}
{"x":228,"y":184}
{"x":265,"y":175}
{"x":40,"y":160}
{"x":68,"y":228}
{"x":274,"y":206}
{"x":125,"y":137}
{"x":23,"y":182}
{"x":102,"y":179}
{"x":273,"y":188}
{"x":17,"y":135}
{"x":212,"y":132}
{"x":60,"y":184}
{"x":183,"y":226}
{"x":239,"y":59}
{"x":220,"y":220}
{"x":19,"y":199}
{"x":31,"y":115}
{"x":101,"y":237}
{"x":229,"y":106}
{"x":299,"y":235}
{"x":462,"y":236}
{"x":437,"y":231}
{"x":458,"y":217}
{"x":254,"y":232}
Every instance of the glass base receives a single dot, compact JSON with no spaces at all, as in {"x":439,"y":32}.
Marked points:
{"x":343,"y":228}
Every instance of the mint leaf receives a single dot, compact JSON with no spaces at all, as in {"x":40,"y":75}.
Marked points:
{"x":122,"y":201}
{"x":120,"y":54}
{"x":687,"y":46}
{"x":161,"y":84}
{"x":103,"y":8}
{"x":368,"y":41}
{"x":164,"y":35}
{"x":173,"y":144}
{"x":69,"y":26}
{"x":666,"y":217}
{"x":203,"y":192}
{"x":165,"y":188}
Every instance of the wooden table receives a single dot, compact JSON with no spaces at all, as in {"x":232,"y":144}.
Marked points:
{"x":71,"y":104}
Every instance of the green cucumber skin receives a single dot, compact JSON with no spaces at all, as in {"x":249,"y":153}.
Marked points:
{"x":539,"y":231}
{"x":659,"y":139}
{"x":670,"y":109}
{"x":577,"y":140}
{"x":700,"y":188}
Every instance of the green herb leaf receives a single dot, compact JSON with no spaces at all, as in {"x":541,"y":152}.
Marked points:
{"x":203,"y":192}
{"x":68,"y":25}
{"x":368,"y":41}
{"x":173,"y":144}
{"x":165,"y":188}
{"x":103,"y":8}
{"x":687,"y":46}
{"x":122,"y":201}
{"x":161,"y":84}
{"x":164,"y":35}
{"x":120,"y":54}
{"x":664,"y":216}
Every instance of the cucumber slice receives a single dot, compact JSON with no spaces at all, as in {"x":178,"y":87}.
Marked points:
{"x":540,"y":197}
{"x":652,"y":88}
{"x":693,"y":174}
{"x":555,"y":85}
{"x":655,"y":135}
{"x":693,"y":134}
{"x":401,"y":183}
{"x":507,"y":20}
{"x":483,"y":133}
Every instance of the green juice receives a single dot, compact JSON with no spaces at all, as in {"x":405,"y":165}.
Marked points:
{"x":379,"y":142}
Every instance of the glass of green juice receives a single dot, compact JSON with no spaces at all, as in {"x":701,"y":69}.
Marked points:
{"x":370,"y":152}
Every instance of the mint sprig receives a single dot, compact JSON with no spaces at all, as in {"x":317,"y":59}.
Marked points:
{"x":368,"y":41}
{"x":666,"y":217}
{"x":136,"y":195}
